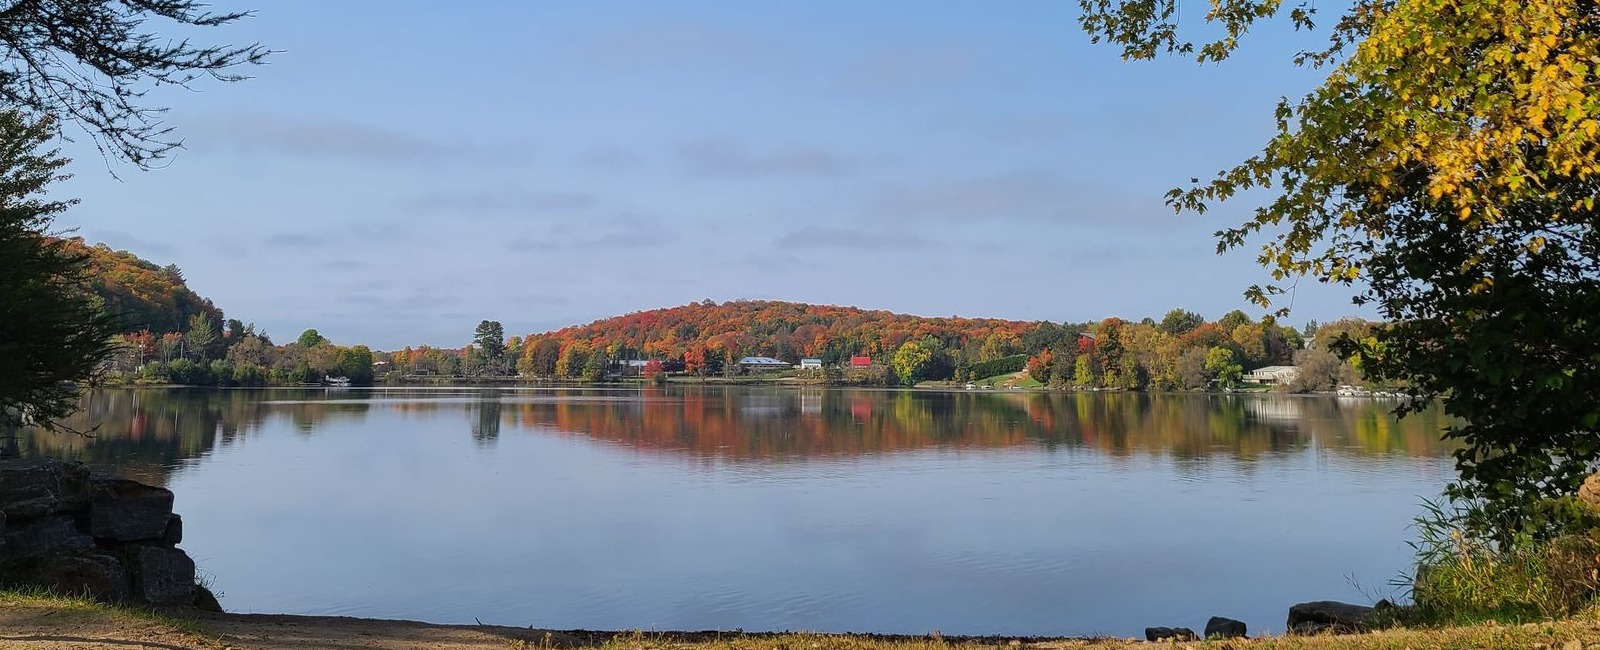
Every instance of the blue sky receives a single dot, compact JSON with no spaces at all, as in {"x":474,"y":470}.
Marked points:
{"x":396,"y":175}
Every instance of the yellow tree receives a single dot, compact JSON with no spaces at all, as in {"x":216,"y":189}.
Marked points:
{"x":1449,"y":161}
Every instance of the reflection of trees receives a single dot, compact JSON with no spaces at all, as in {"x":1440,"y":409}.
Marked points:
{"x":486,"y":426}
{"x":145,"y":433}
{"x":744,"y":425}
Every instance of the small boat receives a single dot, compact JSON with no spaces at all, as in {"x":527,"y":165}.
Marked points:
{"x":336,"y":381}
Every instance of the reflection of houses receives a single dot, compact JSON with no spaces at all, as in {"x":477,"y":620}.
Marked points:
{"x":1272,"y":375}
{"x":759,"y":364}
{"x":1282,"y":409}
{"x":810,"y":364}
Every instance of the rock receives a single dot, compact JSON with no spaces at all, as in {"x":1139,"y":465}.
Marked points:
{"x":173,"y":536}
{"x":206,"y":601}
{"x":1224,"y":628}
{"x":1343,"y":618}
{"x":1589,"y":492}
{"x":128,"y":511}
{"x":1168,"y":634}
{"x":97,"y":576}
{"x":56,"y":535}
{"x":34,"y":487}
{"x":1307,"y":628}
{"x":161,"y":576}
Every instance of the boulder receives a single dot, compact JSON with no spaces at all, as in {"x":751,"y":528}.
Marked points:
{"x":34,"y":487}
{"x":1168,"y":634}
{"x":128,"y":511}
{"x":174,"y":533}
{"x":160,"y":576}
{"x":97,"y":576}
{"x":1333,"y":615}
{"x":1224,"y":628}
{"x":44,"y":536}
{"x":206,"y":601}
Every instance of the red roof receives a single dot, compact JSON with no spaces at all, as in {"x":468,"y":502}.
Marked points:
{"x":860,"y":362}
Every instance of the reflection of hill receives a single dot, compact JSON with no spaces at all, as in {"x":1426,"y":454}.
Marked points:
{"x":802,"y":424}
{"x":146,"y":433}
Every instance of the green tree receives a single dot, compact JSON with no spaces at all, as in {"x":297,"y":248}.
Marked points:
{"x":490,"y":338}
{"x":1181,"y":321}
{"x":1450,"y":161}
{"x":52,"y":335}
{"x":201,"y":337}
{"x":1223,"y":366}
{"x":910,"y":361}
{"x":310,"y":339}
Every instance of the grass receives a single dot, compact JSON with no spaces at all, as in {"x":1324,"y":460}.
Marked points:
{"x":1010,"y":380}
{"x":78,"y":608}
{"x":1554,"y":635}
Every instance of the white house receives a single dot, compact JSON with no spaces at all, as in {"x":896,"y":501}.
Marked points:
{"x":1272,"y":375}
{"x":764,"y":363}
{"x":810,"y":364}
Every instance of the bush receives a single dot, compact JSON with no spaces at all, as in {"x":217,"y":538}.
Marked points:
{"x":1463,"y":577}
{"x":1001,"y":366}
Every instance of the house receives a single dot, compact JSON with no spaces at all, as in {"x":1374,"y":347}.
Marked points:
{"x":860,"y":362}
{"x":1272,"y":375}
{"x":810,"y":364}
{"x":764,"y":363}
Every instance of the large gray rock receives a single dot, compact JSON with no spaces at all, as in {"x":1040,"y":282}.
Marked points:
{"x":1332,"y":615}
{"x":96,"y":576}
{"x":128,"y":511}
{"x":1224,"y":628}
{"x":45,"y":536}
{"x":161,"y":576}
{"x":33,"y":487}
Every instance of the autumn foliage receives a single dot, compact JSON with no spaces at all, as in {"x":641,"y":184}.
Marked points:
{"x":143,"y":295}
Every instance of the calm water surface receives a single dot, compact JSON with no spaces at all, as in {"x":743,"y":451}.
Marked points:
{"x":764,"y":509}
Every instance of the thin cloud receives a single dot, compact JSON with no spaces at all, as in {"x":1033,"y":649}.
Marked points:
{"x":843,"y":238}
{"x":326,"y":138}
{"x":721,"y":158}
{"x":609,"y":158}
{"x":504,"y":202}
{"x":910,"y":68}
{"x":1029,"y":196}
{"x":292,"y":240}
{"x":680,"y":44}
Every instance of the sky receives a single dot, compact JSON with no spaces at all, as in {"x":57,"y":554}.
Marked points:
{"x":401,"y":171}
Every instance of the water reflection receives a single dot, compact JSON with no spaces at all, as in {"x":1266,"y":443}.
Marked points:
{"x":146,"y":433}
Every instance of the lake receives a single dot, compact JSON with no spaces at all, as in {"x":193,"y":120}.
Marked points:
{"x":982,"y":512}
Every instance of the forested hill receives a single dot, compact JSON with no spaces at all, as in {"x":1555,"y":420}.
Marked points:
{"x":784,"y":330}
{"x":147,"y":296}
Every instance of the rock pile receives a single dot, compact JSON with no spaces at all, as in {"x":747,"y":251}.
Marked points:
{"x":75,"y":532}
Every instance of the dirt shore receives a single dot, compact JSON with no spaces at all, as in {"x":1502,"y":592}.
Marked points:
{"x":47,"y":623}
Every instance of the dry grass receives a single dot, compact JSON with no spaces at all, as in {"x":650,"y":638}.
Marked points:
{"x":89,"y":624}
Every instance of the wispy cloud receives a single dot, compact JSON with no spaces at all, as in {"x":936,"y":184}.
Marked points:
{"x":814,"y":237}
{"x":504,"y":202}
{"x":726,"y":159}
{"x":1026,"y":196}
{"x":911,"y":68}
{"x":326,"y":138}
{"x":609,"y":158}
{"x":679,"y":44}
{"x":292,"y":240}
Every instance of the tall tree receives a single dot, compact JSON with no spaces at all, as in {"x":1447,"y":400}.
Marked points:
{"x":490,"y":338}
{"x":51,"y":333}
{"x":1451,"y":160}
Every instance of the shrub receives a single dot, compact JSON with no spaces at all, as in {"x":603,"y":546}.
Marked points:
{"x":1463,"y":576}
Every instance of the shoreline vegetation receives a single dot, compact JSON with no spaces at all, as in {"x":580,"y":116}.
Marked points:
{"x":40,"y":620}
